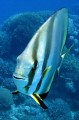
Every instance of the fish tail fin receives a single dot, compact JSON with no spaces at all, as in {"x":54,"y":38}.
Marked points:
{"x":38,"y":99}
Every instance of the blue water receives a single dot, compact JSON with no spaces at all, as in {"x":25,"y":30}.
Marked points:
{"x":10,"y":7}
{"x":19,"y":20}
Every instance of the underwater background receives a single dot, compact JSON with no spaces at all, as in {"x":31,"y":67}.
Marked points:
{"x":19,"y":20}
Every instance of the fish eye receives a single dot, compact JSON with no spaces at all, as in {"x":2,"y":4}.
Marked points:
{"x":35,"y":64}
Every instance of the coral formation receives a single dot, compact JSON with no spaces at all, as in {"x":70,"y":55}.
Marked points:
{"x":6,"y":97}
{"x":21,"y":27}
{"x":6,"y":68}
{"x":60,"y":110}
{"x":71,"y":27}
{"x":76,"y":116}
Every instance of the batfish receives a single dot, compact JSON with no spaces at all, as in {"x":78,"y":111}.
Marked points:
{"x":37,"y":64}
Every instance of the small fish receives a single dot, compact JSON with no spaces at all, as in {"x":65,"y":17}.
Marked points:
{"x":37,"y":64}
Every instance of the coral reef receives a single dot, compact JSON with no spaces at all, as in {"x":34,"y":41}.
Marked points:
{"x":76,"y":116}
{"x":71,"y":27}
{"x":6,"y":68}
{"x":6,"y":97}
{"x":4,"y":43}
{"x":60,"y":110}
{"x":21,"y":27}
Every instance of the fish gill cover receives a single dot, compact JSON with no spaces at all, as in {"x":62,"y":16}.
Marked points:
{"x":15,"y":33}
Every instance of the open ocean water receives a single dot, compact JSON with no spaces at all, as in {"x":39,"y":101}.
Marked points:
{"x":19,"y":20}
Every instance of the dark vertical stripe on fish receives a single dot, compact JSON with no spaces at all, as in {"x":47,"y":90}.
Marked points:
{"x":35,"y":48}
{"x":31,"y":76}
{"x":35,"y":59}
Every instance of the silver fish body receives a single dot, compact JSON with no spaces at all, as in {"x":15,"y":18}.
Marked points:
{"x":37,"y":64}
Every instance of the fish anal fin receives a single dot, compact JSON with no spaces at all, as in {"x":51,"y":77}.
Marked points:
{"x":38,"y":99}
{"x":15,"y":92}
{"x":45,"y":72}
{"x":44,"y":95}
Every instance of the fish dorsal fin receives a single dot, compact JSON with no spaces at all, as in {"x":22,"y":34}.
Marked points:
{"x":44,"y":95}
{"x":66,"y":52}
{"x":45,"y":72}
{"x":15,"y":92}
{"x":62,"y":56}
{"x":38,"y":99}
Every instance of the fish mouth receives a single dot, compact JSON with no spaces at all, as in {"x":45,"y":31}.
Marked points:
{"x":16,"y":77}
{"x":19,"y":77}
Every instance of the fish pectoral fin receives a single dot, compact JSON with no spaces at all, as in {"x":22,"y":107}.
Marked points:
{"x":66,"y":52}
{"x":15,"y":92}
{"x":38,"y":99}
{"x":45,"y":72}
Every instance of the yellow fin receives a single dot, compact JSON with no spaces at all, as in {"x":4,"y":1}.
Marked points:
{"x":15,"y":92}
{"x":38,"y":99}
{"x":66,"y":52}
{"x":45,"y":72}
